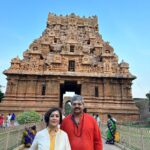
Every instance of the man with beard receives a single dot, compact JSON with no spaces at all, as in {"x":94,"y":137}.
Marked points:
{"x":82,"y":129}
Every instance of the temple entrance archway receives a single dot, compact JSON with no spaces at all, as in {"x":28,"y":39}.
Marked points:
{"x":68,"y":86}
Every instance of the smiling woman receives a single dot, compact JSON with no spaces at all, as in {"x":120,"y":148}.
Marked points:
{"x":53,"y":114}
{"x":54,"y":119}
{"x":50,"y":137}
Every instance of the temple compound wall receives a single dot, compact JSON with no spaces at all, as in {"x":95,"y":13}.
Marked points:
{"x":70,"y":55}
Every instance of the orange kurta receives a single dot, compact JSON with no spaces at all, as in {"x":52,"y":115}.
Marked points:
{"x":84,"y":136}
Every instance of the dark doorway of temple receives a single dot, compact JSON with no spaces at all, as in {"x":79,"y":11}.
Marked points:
{"x":70,"y":86}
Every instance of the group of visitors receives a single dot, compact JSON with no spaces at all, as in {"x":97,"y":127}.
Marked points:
{"x":8,"y":120}
{"x":77,"y":131}
{"x":111,"y":128}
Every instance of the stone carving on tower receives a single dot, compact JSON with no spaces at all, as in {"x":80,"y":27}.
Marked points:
{"x":66,"y":37}
{"x":70,"y":48}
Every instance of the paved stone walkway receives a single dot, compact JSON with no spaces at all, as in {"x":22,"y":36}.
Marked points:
{"x":110,"y":147}
{"x":106,"y":147}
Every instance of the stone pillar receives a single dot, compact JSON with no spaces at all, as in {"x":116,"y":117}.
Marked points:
{"x":14,"y":87}
{"x":38,"y":88}
{"x":9,"y":87}
{"x":104,"y":88}
{"x":48,"y":87}
{"x":21,"y":89}
{"x":36,"y":85}
{"x":85,"y":89}
{"x":124,"y":93}
{"x":111,"y":87}
{"x":121,"y":88}
{"x":100,"y":89}
{"x":127,"y":89}
{"x":130,"y":90}
{"x":54,"y":87}
{"x":31,"y":87}
{"x":107,"y":88}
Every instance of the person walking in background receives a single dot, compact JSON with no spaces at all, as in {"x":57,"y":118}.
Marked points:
{"x":12,"y":119}
{"x":94,"y":115}
{"x":8,"y":120}
{"x":2,"y":120}
{"x":111,"y":124}
{"x":98,"y":119}
{"x":42,"y":117}
{"x":82,"y":129}
{"x":51,"y":138}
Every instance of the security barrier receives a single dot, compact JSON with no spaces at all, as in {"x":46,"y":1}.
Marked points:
{"x":132,"y":137}
{"x":11,"y":137}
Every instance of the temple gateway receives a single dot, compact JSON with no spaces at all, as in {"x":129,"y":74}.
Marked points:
{"x":70,"y":56}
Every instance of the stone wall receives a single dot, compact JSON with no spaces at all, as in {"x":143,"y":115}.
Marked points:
{"x":144,"y":107}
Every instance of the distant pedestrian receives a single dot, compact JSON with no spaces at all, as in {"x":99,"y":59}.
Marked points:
{"x":98,"y":119}
{"x":42,"y":117}
{"x":111,"y":124}
{"x":12,"y":119}
{"x":1,"y":120}
{"x":8,"y":120}
{"x":94,"y":115}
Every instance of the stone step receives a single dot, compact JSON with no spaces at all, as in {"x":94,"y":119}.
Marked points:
{"x":22,"y":109}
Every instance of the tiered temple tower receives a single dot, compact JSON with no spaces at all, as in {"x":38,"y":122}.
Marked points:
{"x":70,"y":56}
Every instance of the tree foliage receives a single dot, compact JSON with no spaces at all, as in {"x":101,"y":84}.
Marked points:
{"x":1,"y":95}
{"x":28,"y":117}
{"x":148,"y":95}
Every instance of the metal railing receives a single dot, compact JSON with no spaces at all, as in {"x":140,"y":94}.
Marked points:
{"x":132,"y":137}
{"x":11,"y":137}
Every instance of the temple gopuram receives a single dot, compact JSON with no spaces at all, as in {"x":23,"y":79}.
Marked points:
{"x":70,"y":55}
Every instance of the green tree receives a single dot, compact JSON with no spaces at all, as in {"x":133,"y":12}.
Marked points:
{"x":1,"y":95}
{"x":148,"y":95}
{"x":28,"y":117}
